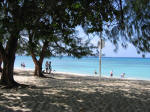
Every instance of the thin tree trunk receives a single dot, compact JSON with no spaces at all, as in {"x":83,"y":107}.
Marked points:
{"x":38,"y":70}
{"x":38,"y":66}
{"x":8,"y":56}
{"x":1,"y":63}
{"x":38,"y":63}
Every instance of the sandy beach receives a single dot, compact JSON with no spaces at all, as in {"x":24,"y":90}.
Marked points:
{"x":74,"y":93}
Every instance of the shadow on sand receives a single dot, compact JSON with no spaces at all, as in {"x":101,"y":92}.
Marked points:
{"x":77,"y":94}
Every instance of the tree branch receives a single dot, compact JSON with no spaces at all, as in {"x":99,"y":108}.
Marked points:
{"x":2,"y":51}
{"x":44,"y":48}
{"x":31,"y":48}
{"x":122,"y":18}
{"x":62,"y":48}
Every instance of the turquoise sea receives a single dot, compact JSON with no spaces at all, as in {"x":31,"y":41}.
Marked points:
{"x":137,"y":68}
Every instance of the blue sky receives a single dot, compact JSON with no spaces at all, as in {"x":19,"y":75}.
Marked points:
{"x":108,"y":50}
{"x":129,"y":52}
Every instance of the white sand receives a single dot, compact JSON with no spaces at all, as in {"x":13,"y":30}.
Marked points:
{"x":75,"y":93}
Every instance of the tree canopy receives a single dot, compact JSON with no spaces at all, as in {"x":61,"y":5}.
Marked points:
{"x":138,"y":28}
{"x":135,"y":27}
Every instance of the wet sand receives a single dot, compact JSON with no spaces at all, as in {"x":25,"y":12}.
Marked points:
{"x":74,"y":93}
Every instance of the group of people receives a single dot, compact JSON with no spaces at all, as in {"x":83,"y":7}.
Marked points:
{"x":48,"y":67}
{"x":23,"y":65}
{"x":111,"y":74}
{"x":122,"y":75}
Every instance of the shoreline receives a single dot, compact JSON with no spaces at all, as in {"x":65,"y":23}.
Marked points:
{"x":84,"y":75}
{"x":136,"y":69}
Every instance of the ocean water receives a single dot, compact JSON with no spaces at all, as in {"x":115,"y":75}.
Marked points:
{"x":136,"y":68}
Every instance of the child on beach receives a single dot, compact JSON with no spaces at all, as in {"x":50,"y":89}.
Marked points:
{"x":122,"y":75}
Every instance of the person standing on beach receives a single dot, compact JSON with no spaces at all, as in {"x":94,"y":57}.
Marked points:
{"x":46,"y":66}
{"x":49,"y":67}
{"x":111,"y":73}
{"x":95,"y":72}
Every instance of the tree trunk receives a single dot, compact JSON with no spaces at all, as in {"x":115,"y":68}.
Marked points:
{"x":38,"y":66}
{"x":38,"y":70}
{"x":38,"y":63}
{"x":7,"y":74}
{"x":0,"y":63}
{"x":8,"y":56}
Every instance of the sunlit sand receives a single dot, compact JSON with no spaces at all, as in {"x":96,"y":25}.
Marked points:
{"x":75,"y":93}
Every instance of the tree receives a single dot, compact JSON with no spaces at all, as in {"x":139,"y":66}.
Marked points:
{"x":134,"y":27}
{"x":48,"y":44}
{"x":13,"y":18}
{"x":10,"y":25}
{"x":59,"y":41}
{"x":138,"y":17}
{"x":12,"y":14}
{"x":55,"y":36}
